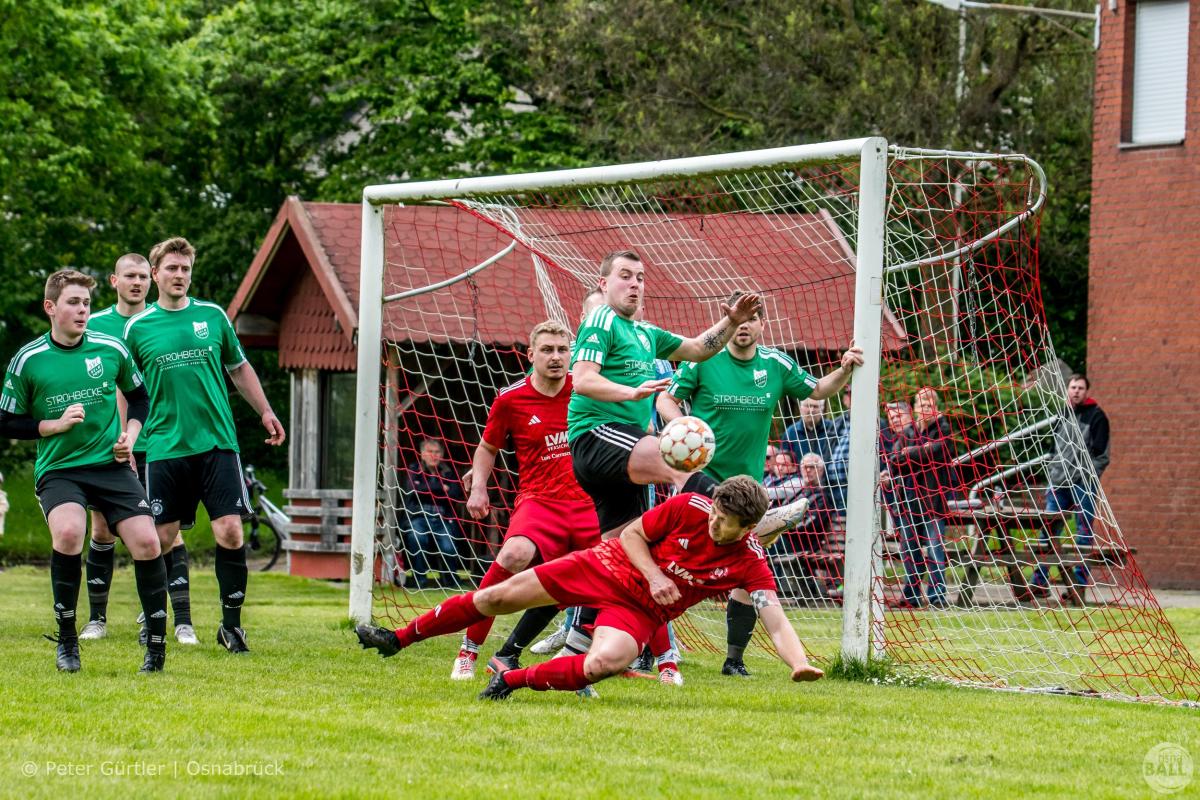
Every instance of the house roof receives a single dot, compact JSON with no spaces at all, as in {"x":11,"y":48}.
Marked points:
{"x":801,"y":261}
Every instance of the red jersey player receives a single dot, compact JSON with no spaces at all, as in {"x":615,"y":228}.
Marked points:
{"x":672,"y":557}
{"x":552,"y":516}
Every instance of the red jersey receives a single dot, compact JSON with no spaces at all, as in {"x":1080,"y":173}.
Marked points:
{"x":537,"y":427}
{"x":679,"y":541}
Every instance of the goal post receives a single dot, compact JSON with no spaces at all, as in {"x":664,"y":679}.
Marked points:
{"x":958,"y":565}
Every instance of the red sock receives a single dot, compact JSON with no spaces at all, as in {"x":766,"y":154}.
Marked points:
{"x":495,"y":574}
{"x":453,"y":614}
{"x":564,"y":673}
{"x":660,"y":641}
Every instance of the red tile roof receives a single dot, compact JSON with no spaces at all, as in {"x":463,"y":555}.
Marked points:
{"x":306,"y":275}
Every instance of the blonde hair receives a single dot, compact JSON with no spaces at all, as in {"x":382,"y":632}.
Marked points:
{"x":550,"y":327}
{"x":66,"y":277}
{"x":176,"y":244}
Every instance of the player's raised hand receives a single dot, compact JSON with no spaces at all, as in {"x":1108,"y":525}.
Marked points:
{"x":746,"y":307}
{"x":274,"y":428}
{"x":123,"y":449}
{"x":807,"y":672}
{"x":71,"y":416}
{"x":663,"y":590}
{"x":650,"y":388}
{"x":852,"y":358}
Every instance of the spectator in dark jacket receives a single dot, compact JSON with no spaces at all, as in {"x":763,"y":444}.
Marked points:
{"x":1078,"y":458}
{"x":897,"y":484}
{"x":430,"y":487}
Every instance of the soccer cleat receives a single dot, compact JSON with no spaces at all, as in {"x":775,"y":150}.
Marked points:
{"x":233,"y":640}
{"x":777,"y":520}
{"x":464,"y":666}
{"x":670,"y":677}
{"x":588,"y":693}
{"x":143,"y":633}
{"x":66,"y":656}
{"x":95,"y":629}
{"x":499,"y":663}
{"x":644,"y":662}
{"x":153,"y":662}
{"x":735,"y":666}
{"x":381,"y":639}
{"x":497,"y":688}
{"x":186,"y":634}
{"x":553,"y":642}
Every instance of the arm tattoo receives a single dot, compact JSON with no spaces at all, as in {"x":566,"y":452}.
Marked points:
{"x":760,"y":600}
{"x":715,"y":340}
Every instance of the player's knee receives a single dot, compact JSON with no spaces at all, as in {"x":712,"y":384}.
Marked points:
{"x":516,"y":556}
{"x":598,"y":666}
{"x":226,"y":530}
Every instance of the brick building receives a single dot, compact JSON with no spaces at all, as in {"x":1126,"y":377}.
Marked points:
{"x":1144,"y":283}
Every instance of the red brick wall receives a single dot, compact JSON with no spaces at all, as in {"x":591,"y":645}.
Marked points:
{"x":1144,"y":297}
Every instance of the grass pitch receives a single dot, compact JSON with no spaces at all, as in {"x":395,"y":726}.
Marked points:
{"x":308,"y":714}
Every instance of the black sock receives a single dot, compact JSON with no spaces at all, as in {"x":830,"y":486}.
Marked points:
{"x":739,"y":621}
{"x":151,"y":577}
{"x":578,"y":639}
{"x":701,"y":483}
{"x":178,"y":584}
{"x":231,"y":580}
{"x":66,"y":573}
{"x":528,"y":627}
{"x":99,"y":578}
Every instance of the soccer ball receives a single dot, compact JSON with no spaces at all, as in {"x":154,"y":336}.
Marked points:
{"x":687,"y":444}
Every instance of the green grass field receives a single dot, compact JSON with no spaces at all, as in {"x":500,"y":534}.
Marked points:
{"x":318,"y":717}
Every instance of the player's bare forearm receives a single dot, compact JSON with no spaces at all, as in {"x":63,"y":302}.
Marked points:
{"x":707,"y":344}
{"x":667,"y":407}
{"x":476,"y":482}
{"x":633,"y":540}
{"x":783,"y":636}
{"x":831,"y":384}
{"x":587,"y":381}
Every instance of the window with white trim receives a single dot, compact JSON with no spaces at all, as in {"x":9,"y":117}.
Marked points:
{"x":1160,"y":56}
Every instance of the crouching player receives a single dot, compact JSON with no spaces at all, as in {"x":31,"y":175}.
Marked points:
{"x":686,"y":550}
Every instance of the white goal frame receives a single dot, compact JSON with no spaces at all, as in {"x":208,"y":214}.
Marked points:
{"x":861,"y":609}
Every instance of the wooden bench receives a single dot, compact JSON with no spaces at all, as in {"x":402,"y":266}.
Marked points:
{"x":318,"y":543}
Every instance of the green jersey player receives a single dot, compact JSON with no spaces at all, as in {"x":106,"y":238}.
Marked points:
{"x":61,"y":389}
{"x":183,"y":347}
{"x":736,"y":392}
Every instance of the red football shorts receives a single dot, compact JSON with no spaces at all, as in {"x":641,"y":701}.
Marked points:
{"x":579,"y":579}
{"x":556,"y":527}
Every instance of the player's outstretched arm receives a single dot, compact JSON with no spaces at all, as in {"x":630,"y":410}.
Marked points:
{"x":667,"y":407}
{"x":587,"y":381}
{"x":831,"y":384}
{"x":246,"y":380}
{"x":633,"y":539}
{"x":475,"y":483}
{"x":783,"y":636}
{"x":709,"y":343}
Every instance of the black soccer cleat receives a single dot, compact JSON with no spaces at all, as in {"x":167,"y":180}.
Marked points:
{"x":497,"y":688}
{"x":644,"y":662}
{"x":232,"y":639}
{"x":66,"y":656}
{"x":381,"y":639}
{"x":154,"y":662}
{"x":498,"y":663}
{"x":735,"y":666}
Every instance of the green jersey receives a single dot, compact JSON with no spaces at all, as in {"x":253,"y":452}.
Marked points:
{"x":112,"y":322}
{"x":44,"y":378}
{"x":182,"y":353}
{"x":625,"y":351}
{"x":738,"y":399}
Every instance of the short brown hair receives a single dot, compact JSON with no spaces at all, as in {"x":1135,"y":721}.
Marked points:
{"x":606,"y":263}
{"x":742,"y":497}
{"x":176,"y":244}
{"x":66,"y":277}
{"x":1079,"y":376}
{"x":550,"y":327}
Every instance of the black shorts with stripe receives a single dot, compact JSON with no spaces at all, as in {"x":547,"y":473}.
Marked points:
{"x":110,"y":489}
{"x":176,"y":486}
{"x":601,"y":461}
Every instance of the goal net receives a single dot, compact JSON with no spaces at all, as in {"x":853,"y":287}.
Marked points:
{"x":959,"y":564}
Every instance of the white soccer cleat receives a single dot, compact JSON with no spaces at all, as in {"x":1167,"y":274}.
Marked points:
{"x":464,"y":666}
{"x":670,"y":677}
{"x":95,"y":629}
{"x":778,"y":520}
{"x":553,"y":642}
{"x":588,"y":693}
{"x":186,"y":634}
